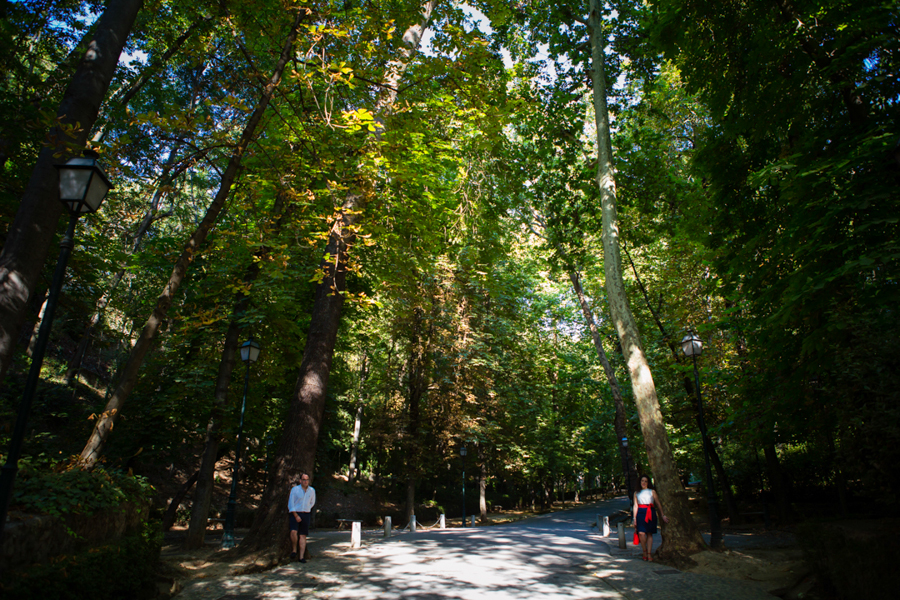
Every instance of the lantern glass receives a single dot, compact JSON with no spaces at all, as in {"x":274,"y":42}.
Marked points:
{"x":82,"y":184}
{"x":462,"y":451}
{"x":691,"y":345}
{"x":250,"y":351}
{"x":97,"y":190}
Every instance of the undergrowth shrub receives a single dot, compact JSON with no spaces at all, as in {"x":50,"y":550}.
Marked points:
{"x":125,"y":568}
{"x":69,"y":490}
{"x":101,"y":566}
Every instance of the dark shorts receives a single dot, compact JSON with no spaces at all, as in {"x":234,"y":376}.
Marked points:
{"x":302,"y":528}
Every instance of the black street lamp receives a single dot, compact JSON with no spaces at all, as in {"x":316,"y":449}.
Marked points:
{"x":692,"y":346}
{"x":249,"y":354}
{"x":462,"y":452}
{"x":625,"y":464}
{"x":82,"y":188}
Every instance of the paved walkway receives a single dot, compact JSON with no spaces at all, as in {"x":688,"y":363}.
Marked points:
{"x":552,"y":557}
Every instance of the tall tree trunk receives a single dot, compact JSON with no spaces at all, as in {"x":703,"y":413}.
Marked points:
{"x":417,"y":385}
{"x":482,"y":486}
{"x":172,"y":510}
{"x":410,"y":497}
{"x":354,"y":443}
{"x":682,"y":536}
{"x":129,"y":376}
{"x":412,"y":451}
{"x":297,"y":448}
{"x":619,"y":423}
{"x":196,"y":534}
{"x":776,"y":484}
{"x":29,"y":238}
{"x":734,"y":516}
{"x":353,"y":470}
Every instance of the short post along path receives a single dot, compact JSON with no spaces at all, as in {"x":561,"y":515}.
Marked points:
{"x":551,"y":557}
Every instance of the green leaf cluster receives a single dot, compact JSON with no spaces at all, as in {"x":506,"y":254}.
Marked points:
{"x":76,"y":491}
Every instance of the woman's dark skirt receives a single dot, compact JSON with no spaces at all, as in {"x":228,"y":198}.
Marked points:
{"x":643,"y":526}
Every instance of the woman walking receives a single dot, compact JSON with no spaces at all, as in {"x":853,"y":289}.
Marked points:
{"x":646,"y":505}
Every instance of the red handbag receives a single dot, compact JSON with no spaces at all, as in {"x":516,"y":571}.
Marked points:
{"x":637,"y":539}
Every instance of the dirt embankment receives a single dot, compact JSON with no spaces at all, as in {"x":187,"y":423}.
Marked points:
{"x":771,"y":559}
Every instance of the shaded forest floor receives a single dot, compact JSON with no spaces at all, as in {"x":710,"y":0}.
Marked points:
{"x":771,"y":558}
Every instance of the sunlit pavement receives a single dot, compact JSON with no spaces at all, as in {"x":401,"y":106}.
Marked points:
{"x":550,"y":557}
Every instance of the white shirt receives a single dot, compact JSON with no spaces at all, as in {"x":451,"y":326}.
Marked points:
{"x":300,"y":500}
{"x":645,"y":497}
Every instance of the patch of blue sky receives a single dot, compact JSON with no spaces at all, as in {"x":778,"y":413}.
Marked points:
{"x":475,"y":19}
{"x":82,"y":19}
{"x":551,"y":66}
{"x":134,"y":59}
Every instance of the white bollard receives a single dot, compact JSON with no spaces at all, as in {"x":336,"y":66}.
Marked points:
{"x":412,"y":524}
{"x":473,"y":520}
{"x":387,"y":527}
{"x":356,"y":535}
{"x":604,"y":526}
{"x":620,"y":529}
{"x":443,"y":522}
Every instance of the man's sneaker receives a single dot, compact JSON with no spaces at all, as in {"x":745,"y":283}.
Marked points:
{"x":293,"y":556}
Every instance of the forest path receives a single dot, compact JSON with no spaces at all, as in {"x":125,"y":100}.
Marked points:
{"x":549,"y":557}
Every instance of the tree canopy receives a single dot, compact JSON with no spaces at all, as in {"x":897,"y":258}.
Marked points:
{"x":432,"y":165}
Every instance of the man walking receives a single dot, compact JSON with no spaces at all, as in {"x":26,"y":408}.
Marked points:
{"x":300,"y":504}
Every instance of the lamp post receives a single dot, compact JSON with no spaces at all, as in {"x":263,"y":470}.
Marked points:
{"x":462,"y":452}
{"x":82,"y":188}
{"x":692,"y":346}
{"x":249,"y":354}
{"x":625,"y":463}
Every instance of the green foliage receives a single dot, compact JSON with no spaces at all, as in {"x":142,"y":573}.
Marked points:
{"x":756,"y":203}
{"x":75,"y":491}
{"x":799,"y":207}
{"x":123,"y":569}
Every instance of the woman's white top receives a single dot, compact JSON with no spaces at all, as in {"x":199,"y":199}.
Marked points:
{"x":645,"y":497}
